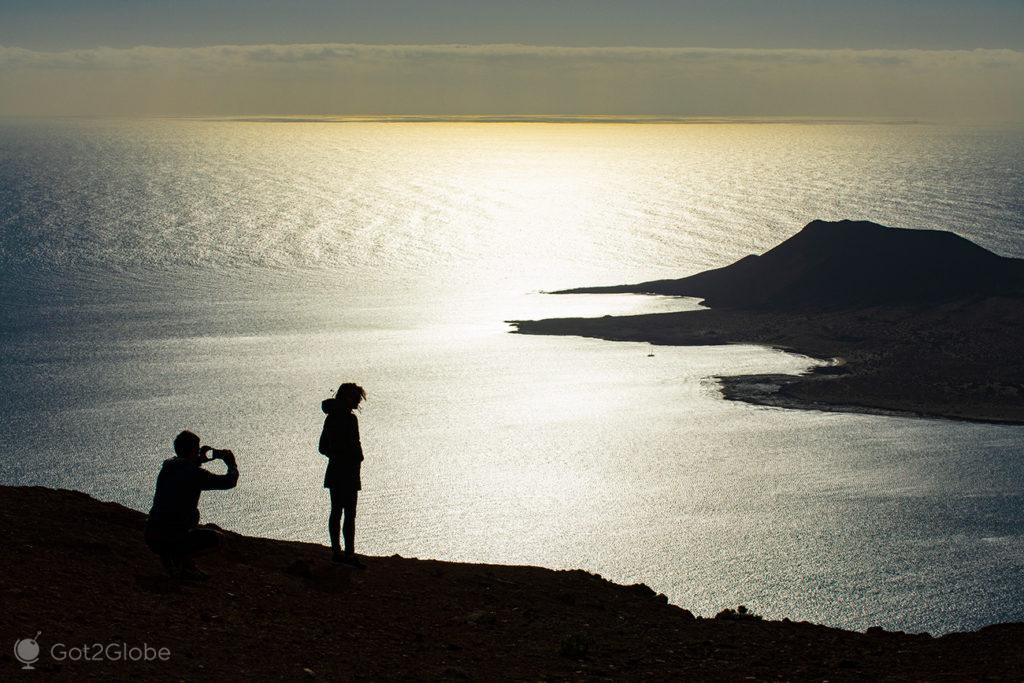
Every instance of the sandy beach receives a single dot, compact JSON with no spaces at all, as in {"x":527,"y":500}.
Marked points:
{"x":959,"y":361}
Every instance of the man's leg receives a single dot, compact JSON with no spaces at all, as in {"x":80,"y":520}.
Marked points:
{"x":168,"y":545}
{"x":197,"y":542}
{"x":202,"y":541}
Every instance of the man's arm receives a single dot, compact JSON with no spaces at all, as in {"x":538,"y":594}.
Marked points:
{"x":214,"y":482}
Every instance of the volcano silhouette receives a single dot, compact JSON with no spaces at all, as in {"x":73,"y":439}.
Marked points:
{"x":848,"y":264}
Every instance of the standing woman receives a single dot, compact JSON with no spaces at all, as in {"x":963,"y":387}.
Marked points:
{"x":339,"y":441}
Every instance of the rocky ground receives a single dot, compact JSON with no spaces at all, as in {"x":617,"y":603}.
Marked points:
{"x":76,"y":570}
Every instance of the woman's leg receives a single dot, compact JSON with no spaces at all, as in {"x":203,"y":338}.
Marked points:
{"x":334,"y":520}
{"x":350,"y":523}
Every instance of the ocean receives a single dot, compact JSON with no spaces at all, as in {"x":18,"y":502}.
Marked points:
{"x":225,"y":276}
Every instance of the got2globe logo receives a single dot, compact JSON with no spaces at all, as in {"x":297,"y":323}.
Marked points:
{"x":26,"y":651}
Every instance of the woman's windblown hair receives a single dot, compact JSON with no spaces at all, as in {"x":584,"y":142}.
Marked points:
{"x":352,"y":392}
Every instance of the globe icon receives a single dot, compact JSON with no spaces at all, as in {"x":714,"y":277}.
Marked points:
{"x":26,"y":651}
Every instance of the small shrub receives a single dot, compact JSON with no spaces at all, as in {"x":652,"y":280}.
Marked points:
{"x":741,"y":613}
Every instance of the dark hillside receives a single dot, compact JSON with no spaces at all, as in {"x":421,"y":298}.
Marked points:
{"x":76,"y":570}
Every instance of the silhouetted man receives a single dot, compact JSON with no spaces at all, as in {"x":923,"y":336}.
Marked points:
{"x":172,"y":530}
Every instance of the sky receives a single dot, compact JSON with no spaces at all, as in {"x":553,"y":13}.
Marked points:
{"x":760,"y":58}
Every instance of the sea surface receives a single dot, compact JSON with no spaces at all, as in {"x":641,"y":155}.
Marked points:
{"x":226,"y":276}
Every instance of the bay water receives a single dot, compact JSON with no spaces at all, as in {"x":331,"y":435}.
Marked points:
{"x":225,"y":276}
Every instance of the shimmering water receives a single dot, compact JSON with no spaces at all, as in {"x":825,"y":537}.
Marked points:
{"x":225,"y":276}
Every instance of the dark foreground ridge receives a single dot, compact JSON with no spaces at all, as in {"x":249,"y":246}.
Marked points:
{"x":916,"y":322}
{"x":76,"y":569}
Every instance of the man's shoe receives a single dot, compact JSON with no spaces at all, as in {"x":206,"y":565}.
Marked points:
{"x":338,"y":558}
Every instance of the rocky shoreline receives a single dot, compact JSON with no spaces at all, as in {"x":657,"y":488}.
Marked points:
{"x":76,"y":570}
{"x":881,"y":361}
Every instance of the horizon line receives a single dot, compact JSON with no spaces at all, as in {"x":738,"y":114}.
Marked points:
{"x":497,"y":118}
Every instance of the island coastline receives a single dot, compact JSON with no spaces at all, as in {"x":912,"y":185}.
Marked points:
{"x":930,"y":328}
{"x":884,"y":369}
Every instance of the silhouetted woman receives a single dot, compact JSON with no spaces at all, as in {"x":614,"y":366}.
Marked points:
{"x":339,"y":441}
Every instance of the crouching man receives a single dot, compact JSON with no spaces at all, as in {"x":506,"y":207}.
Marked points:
{"x":172,"y":530}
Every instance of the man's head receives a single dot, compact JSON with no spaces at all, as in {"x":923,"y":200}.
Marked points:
{"x":186,"y":445}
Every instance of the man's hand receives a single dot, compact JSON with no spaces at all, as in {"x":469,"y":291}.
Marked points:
{"x":227,"y":456}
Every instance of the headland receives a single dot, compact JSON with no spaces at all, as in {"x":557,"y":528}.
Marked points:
{"x":911,"y":322}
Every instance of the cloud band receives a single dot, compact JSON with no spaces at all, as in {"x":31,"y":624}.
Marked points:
{"x":471,"y":79}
